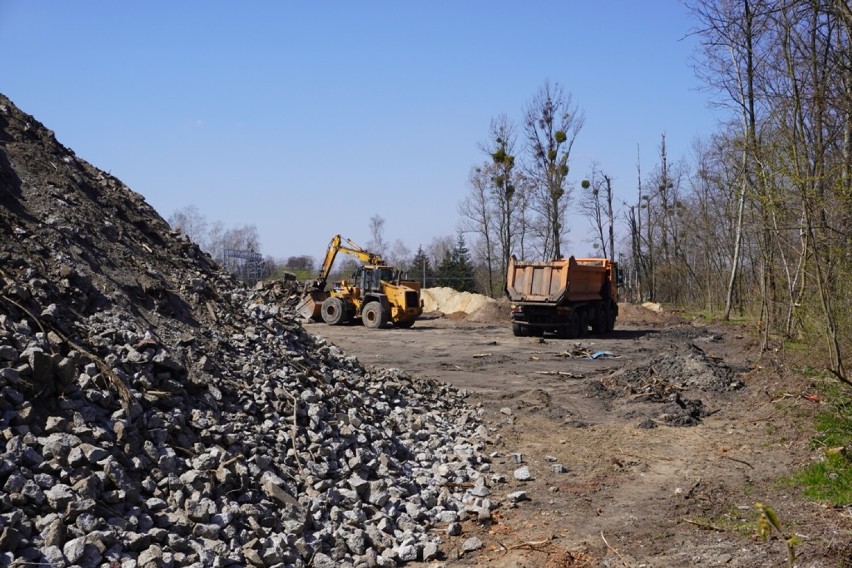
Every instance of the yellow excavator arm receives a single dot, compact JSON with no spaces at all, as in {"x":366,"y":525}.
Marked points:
{"x":342,"y":244}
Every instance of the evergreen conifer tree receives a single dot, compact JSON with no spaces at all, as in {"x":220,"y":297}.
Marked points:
{"x":421,"y":269}
{"x":456,"y":268}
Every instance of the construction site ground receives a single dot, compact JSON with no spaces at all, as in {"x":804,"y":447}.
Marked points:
{"x":631,"y":465}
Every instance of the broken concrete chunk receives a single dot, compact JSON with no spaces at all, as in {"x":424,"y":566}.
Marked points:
{"x":523,"y":474}
{"x":471,"y":544}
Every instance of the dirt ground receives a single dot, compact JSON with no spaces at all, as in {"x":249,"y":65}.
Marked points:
{"x":651,"y":454}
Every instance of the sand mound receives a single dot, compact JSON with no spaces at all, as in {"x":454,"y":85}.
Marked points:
{"x":646,"y":314}
{"x":449,"y":301}
{"x":492,"y":311}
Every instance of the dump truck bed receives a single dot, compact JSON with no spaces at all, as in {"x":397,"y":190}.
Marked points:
{"x":557,"y":281}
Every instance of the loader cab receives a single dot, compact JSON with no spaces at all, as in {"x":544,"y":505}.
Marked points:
{"x":369,"y":278}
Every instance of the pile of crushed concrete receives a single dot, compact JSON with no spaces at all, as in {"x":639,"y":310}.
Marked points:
{"x":154,"y":412}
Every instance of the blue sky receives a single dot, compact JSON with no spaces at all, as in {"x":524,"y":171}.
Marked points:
{"x":306,"y":119}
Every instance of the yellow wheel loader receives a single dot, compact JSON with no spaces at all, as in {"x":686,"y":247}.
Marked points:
{"x":376,"y":294}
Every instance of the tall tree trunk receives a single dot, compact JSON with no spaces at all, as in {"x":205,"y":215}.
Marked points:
{"x":610,"y":216}
{"x":746,"y":93}
{"x":738,"y":238}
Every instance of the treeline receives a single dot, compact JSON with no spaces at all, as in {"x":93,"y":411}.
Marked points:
{"x":764,"y":227}
{"x":519,"y":194}
{"x":236,"y":248}
{"x":444,"y":262}
{"x":757,"y":224}
{"x":455,"y":270}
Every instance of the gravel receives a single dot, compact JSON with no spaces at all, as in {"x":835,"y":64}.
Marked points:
{"x":154,"y":412}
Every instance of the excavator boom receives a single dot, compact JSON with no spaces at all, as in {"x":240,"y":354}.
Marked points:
{"x":335,"y":246}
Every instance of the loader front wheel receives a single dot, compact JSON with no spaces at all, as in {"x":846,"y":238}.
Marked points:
{"x":333,"y":311}
{"x":374,"y":316}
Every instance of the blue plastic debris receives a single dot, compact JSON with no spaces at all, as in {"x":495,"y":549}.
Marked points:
{"x":600,"y":354}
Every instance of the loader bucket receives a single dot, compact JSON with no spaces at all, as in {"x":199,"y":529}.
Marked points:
{"x":311,"y":305}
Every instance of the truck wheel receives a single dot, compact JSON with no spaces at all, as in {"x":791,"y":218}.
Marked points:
{"x":519,"y":330}
{"x":333,"y":311}
{"x":583,"y":327}
{"x":574,"y":325}
{"x":374,"y":316}
{"x":600,"y":322}
{"x":611,"y":313}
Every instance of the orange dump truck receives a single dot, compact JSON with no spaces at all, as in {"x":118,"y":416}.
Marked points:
{"x":565,"y":296}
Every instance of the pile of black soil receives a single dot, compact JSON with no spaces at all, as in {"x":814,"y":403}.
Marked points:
{"x":664,"y":378}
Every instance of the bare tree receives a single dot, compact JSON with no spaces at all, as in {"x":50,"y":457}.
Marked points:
{"x":400,"y":256}
{"x":191,"y":222}
{"x":476,"y":212}
{"x":812,"y":45}
{"x":551,"y":125}
{"x":640,"y":264}
{"x":377,"y":243}
{"x":495,"y":207}
{"x":241,"y":238}
{"x":302,"y":262}
{"x":844,"y":100}
{"x":215,"y":240}
{"x":439,"y":247}
{"x":271,"y":264}
{"x":522,"y":214}
{"x":506,"y":190}
{"x":730,"y":34}
{"x":596,"y":203}
{"x":786,"y":70}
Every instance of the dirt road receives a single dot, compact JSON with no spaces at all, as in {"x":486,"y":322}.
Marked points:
{"x":646,"y":448}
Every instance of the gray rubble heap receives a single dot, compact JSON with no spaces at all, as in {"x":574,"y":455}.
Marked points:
{"x":155,"y":413}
